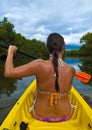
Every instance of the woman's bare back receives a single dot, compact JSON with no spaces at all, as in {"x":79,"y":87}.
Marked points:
{"x":46,"y":82}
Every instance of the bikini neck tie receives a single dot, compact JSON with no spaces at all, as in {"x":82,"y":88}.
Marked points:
{"x":60,"y":62}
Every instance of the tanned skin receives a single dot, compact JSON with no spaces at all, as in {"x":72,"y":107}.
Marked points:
{"x":44,"y":72}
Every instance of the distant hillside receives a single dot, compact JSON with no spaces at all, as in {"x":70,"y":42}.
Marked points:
{"x":72,"y":47}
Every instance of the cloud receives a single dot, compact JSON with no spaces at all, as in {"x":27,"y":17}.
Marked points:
{"x":36,"y":19}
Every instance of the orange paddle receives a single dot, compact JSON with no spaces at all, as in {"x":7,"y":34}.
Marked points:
{"x":82,"y":76}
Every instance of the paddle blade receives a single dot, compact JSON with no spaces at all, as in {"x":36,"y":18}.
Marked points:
{"x":82,"y":76}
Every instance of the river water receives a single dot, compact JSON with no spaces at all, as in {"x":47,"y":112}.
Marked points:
{"x":12,"y":89}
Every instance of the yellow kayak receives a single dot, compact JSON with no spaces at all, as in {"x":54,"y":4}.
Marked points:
{"x":81,"y":118}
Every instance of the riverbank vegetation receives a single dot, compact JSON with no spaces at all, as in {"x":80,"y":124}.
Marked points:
{"x":37,"y":48}
{"x":85,"y":49}
{"x":9,"y":36}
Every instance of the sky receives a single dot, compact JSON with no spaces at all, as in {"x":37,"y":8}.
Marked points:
{"x":38,"y":18}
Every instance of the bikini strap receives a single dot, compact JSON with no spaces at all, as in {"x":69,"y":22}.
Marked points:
{"x":60,"y":62}
{"x":49,"y":93}
{"x":54,"y":97}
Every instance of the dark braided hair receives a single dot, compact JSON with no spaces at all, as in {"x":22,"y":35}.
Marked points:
{"x":55,"y":43}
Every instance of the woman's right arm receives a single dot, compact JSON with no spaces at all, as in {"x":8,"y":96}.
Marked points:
{"x":20,"y":71}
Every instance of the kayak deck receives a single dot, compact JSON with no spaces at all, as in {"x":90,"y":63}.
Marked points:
{"x":80,"y":120}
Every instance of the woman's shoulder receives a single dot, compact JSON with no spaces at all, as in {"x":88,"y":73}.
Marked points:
{"x":69,"y":67}
{"x":37,"y":62}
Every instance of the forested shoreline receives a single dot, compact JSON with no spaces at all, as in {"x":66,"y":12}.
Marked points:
{"x":35,"y":47}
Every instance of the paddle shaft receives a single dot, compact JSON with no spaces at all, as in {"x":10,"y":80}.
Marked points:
{"x":21,"y":52}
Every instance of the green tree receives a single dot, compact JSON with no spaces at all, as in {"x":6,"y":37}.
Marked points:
{"x":36,"y":48}
{"x":71,"y":53}
{"x":86,"y":48}
{"x":86,"y":39}
{"x":9,"y":36}
{"x":7,"y":32}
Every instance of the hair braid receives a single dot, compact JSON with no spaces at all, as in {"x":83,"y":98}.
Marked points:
{"x":55,"y":63}
{"x":55,"y":43}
